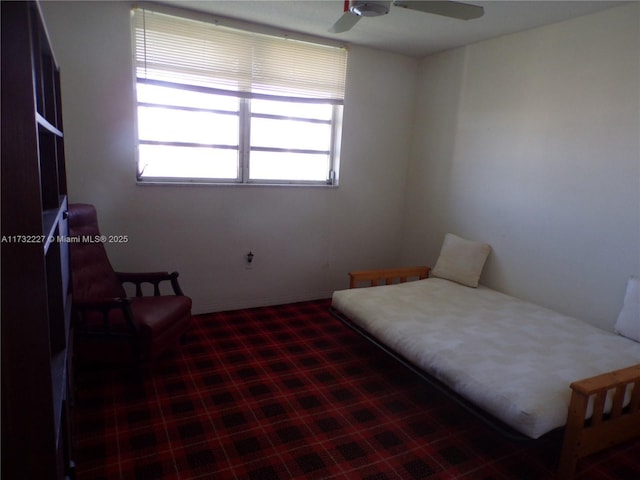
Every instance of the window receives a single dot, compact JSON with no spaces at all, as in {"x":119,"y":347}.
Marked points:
{"x":222,"y":105}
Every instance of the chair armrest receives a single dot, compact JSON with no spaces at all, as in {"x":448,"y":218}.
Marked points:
{"x":154,"y":278}
{"x":105,"y":306}
{"x":388,"y":275}
{"x":101,"y":303}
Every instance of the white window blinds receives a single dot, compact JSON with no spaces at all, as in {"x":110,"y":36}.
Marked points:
{"x":191,"y":52}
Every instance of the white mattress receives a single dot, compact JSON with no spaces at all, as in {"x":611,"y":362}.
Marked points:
{"x":512,"y":358}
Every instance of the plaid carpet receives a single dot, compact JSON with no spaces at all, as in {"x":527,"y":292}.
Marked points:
{"x":289,"y":392}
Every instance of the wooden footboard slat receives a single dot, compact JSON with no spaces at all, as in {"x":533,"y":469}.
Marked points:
{"x":618,"y":401}
{"x":604,"y":429}
{"x":598,"y":408}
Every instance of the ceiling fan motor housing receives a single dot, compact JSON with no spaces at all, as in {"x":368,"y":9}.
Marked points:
{"x":356,"y":9}
{"x":369,"y":9}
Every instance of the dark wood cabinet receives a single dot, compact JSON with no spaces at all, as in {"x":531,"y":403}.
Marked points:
{"x":36,"y":303}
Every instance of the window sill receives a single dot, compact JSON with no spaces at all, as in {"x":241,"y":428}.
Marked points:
{"x":194,"y":183}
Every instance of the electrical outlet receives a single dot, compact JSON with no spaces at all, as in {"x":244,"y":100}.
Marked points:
{"x":249,"y":259}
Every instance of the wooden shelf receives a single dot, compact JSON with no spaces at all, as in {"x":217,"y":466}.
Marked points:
{"x":51,"y":219}
{"x":59,"y":376}
{"x":44,"y":123}
{"x":36,"y":302}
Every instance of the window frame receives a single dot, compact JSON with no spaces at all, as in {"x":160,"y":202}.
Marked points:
{"x":244,"y":147}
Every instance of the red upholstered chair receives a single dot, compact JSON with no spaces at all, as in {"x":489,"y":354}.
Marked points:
{"x":109,"y":325}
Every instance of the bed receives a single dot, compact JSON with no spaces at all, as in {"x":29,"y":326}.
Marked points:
{"x":533,"y":369}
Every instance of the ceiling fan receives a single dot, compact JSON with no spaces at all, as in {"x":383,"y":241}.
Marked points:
{"x":355,"y":9}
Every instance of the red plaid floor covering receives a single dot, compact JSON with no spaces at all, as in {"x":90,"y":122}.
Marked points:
{"x":289,"y":392}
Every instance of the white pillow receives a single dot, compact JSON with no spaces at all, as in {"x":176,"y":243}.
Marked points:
{"x":461,"y":260}
{"x":628,"y":323}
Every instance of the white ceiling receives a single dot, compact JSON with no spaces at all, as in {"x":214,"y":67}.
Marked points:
{"x":403,"y":31}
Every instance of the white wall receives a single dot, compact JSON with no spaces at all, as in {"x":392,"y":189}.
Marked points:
{"x":530,"y":142}
{"x":305,"y":240}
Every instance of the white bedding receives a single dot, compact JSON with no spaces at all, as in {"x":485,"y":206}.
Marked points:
{"x":512,"y":358}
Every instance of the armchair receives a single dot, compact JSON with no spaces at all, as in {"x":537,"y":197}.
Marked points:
{"x":109,"y":325}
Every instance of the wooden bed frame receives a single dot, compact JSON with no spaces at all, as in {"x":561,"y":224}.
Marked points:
{"x":582,"y":437}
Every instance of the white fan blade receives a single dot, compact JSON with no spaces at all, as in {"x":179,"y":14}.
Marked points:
{"x":345,"y":22}
{"x":461,"y":11}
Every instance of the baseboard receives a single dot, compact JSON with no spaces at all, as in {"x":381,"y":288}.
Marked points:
{"x":221,"y":305}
